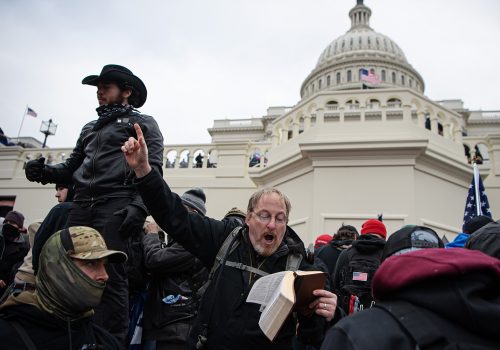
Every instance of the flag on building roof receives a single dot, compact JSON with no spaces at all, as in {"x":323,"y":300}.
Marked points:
{"x":31,"y":112}
{"x":477,"y":201}
{"x":369,"y":76}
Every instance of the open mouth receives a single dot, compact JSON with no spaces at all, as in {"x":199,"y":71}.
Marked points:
{"x":269,"y":238}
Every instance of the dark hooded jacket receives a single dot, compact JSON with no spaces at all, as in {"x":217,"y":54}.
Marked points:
{"x":366,"y":245}
{"x":232,"y":322}
{"x":12,"y":253}
{"x":54,"y":221}
{"x":174,"y":271}
{"x":454,"y":290}
{"x":47,"y":331}
{"x":330,"y":253}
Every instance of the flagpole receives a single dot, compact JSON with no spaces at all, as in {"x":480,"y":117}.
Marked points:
{"x":22,"y":122}
{"x":476,"y":185}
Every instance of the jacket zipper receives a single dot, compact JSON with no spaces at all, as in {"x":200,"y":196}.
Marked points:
{"x":93,"y":164}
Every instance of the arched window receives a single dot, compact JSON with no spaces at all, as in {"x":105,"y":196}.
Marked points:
{"x":403,"y":80}
{"x":349,"y":75}
{"x":338,"y":77}
{"x":327,"y":80}
{"x":319,"y":84}
{"x":383,"y":74}
{"x":393,"y":78}
{"x":313,"y":87}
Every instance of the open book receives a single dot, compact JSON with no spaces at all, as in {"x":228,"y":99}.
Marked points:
{"x":282,"y":292}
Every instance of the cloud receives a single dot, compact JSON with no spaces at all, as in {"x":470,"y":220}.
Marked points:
{"x":206,"y":60}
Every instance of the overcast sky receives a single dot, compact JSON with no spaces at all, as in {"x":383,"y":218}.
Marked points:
{"x":204,"y":60}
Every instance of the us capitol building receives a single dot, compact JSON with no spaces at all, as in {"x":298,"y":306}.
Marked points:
{"x":350,"y":149}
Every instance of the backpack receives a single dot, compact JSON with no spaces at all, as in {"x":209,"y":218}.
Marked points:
{"x":355,"y":292}
{"x":425,"y":333}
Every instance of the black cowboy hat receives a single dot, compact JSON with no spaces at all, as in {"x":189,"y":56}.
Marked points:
{"x":120,"y":74}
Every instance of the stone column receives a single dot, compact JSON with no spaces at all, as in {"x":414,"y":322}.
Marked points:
{"x":421,"y":119}
{"x":307,"y":122}
{"x":295,"y":128}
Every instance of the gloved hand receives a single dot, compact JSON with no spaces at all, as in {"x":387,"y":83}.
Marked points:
{"x":133,"y":220}
{"x":34,"y":170}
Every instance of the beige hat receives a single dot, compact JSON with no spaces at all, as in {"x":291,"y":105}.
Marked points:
{"x":85,"y":243}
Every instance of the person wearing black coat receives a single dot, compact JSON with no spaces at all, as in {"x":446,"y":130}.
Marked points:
{"x":226,"y":321}
{"x":330,"y":252}
{"x":105,"y":197}
{"x":427,"y":299}
{"x":176,"y":278}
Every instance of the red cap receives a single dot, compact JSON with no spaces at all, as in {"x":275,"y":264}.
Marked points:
{"x":322,"y":240}
{"x":374,"y":226}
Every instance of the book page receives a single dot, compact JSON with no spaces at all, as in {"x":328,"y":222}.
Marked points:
{"x":278,"y":308}
{"x":264,"y":288}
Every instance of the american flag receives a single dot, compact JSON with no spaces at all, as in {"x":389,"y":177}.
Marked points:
{"x":477,"y":201}
{"x":360,"y":276}
{"x":369,"y":76}
{"x":31,"y":112}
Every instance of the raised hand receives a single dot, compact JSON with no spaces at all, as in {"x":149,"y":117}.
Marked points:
{"x":136,"y":153}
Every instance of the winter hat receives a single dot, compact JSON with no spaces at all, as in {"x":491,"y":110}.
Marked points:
{"x":410,"y":238}
{"x":16,"y":217}
{"x":374,"y":226}
{"x":195,"y":198}
{"x":475,"y":224}
{"x":236,"y":214}
{"x":322,"y":240}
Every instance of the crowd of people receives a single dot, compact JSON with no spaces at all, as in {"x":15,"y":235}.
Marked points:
{"x":121,"y":261}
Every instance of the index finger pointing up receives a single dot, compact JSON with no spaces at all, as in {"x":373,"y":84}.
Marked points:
{"x":138,"y":131}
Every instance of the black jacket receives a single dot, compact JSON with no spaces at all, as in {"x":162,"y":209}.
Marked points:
{"x":234,"y":322}
{"x":330,"y":253}
{"x":53,"y":222}
{"x":365,"y":245}
{"x":454,"y":290}
{"x":97,"y":166}
{"x":49,"y":332}
{"x":174,"y":271}
{"x":12,"y":254}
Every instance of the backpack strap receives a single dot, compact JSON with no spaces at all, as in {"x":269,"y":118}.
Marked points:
{"x":23,"y":335}
{"x":418,"y":325}
{"x":221,"y":254}
{"x":244,"y":267}
{"x":224,"y":249}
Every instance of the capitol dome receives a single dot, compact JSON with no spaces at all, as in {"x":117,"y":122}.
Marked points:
{"x":339,"y":64}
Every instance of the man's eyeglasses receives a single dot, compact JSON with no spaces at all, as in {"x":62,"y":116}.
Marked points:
{"x":265,"y":218}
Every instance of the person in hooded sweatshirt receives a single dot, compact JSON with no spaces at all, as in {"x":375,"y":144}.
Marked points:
{"x":69,"y":284}
{"x":427,"y":299}
{"x":356,"y":267}
{"x":55,"y":220}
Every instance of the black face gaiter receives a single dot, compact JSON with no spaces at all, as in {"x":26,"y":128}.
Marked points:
{"x":10,"y":232}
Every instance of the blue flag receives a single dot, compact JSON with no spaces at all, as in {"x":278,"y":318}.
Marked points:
{"x":477,"y":201}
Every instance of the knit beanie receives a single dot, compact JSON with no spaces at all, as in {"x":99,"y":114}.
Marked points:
{"x":195,"y":198}
{"x":374,"y":226}
{"x":15,"y":217}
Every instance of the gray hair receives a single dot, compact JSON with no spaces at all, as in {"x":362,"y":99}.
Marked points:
{"x":255,"y":198}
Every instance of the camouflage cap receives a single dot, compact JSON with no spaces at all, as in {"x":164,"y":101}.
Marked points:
{"x":88,"y":244}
